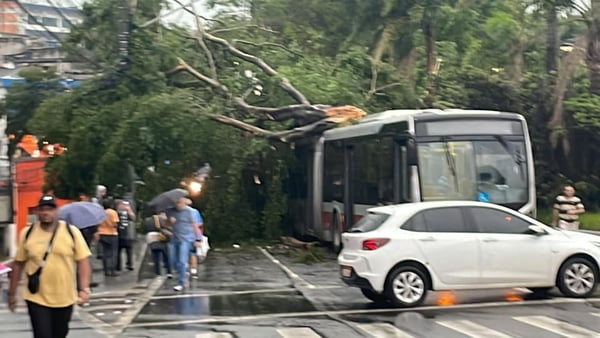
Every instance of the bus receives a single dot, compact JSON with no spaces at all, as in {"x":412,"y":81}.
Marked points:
{"x":401,"y":156}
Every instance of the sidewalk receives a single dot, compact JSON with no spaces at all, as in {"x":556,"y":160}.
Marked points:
{"x":112,"y":302}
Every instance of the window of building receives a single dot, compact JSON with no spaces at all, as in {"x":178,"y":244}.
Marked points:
{"x":50,"y":22}
{"x":32,"y":19}
{"x":66,"y":24}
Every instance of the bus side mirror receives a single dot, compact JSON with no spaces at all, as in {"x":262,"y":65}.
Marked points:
{"x":411,"y":152}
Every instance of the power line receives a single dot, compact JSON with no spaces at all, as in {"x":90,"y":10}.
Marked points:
{"x":60,"y":12}
{"x":54,"y":35}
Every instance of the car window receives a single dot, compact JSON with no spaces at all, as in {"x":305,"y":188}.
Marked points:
{"x":445,"y":220}
{"x":496,"y":221}
{"x":416,"y":223}
{"x":370,"y":222}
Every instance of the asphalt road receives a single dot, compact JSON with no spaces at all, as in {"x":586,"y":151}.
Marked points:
{"x":262,"y":292}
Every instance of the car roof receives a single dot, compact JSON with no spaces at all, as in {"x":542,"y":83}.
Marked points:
{"x":419,"y":206}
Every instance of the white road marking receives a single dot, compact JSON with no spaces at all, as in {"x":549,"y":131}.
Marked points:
{"x":471,"y":329}
{"x":214,"y":335}
{"x":383,"y":330}
{"x":595,"y":314}
{"x":362,"y":311}
{"x":298,"y":332}
{"x":224,"y":293}
{"x":285,"y":269}
{"x":557,"y":326}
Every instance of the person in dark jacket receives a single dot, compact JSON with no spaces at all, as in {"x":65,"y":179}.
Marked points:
{"x":158,"y":235}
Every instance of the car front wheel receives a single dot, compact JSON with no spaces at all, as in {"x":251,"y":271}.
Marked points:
{"x":406,"y":286}
{"x":577,"y":278}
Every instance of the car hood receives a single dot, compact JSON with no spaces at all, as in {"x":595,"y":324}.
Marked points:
{"x":581,"y":235}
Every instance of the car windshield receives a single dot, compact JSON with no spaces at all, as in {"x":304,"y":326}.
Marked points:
{"x":488,"y":171}
{"x":370,"y":222}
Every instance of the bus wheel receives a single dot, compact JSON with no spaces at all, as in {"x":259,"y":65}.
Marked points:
{"x":336,"y":241}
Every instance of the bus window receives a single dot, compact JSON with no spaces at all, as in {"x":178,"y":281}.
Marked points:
{"x":488,"y":171}
{"x":447,"y":170}
{"x":373,"y":181}
{"x":333,"y":173}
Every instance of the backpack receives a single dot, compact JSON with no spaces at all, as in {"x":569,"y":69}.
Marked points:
{"x":123,"y":225}
{"x":68,"y":229}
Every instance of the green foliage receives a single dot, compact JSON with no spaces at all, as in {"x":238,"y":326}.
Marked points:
{"x":371,"y":54}
{"x":34,"y":74}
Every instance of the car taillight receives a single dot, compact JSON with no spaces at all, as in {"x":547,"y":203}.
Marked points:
{"x":374,"y":243}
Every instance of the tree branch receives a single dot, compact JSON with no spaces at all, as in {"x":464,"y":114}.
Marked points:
{"x":284,"y":82}
{"x":210,"y":81}
{"x":209,"y":56}
{"x":283,"y":136}
{"x":158,"y":17}
{"x":266,"y":44}
{"x":223,"y":30}
{"x":389,"y":85}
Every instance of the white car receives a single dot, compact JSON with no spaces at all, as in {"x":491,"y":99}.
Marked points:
{"x":397,"y":253}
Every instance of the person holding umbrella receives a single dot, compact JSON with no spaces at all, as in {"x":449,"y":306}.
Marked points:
{"x":85,"y":216}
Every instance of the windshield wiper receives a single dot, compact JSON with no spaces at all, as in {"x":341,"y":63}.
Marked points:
{"x":451,"y":164}
{"x":516,"y":156}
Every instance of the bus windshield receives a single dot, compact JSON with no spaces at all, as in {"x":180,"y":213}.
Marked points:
{"x":485,"y":170}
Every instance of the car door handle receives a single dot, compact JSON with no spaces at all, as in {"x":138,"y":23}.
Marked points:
{"x":488,"y":240}
{"x":427,"y":239}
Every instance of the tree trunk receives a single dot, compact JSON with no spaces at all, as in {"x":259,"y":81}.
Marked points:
{"x":593,"y":48}
{"x":551,"y":38}
{"x":431,"y":60}
{"x":593,"y":60}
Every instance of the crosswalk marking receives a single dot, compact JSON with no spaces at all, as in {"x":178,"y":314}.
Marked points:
{"x":557,"y":326}
{"x":298,"y":332}
{"x":471,"y":329}
{"x":381,"y":330}
{"x":214,"y":335}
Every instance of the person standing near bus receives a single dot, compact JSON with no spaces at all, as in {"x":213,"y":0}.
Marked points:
{"x":567,"y":208}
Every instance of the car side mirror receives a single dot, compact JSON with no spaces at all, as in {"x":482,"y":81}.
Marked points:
{"x":536,"y":230}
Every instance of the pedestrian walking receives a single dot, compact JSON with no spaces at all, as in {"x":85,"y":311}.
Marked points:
{"x":181,"y":220}
{"x":194,"y":250}
{"x":157,"y":237}
{"x":126,"y":229}
{"x":50,"y":251}
{"x":99,"y":199}
{"x":109,"y":239}
{"x":567,"y":208}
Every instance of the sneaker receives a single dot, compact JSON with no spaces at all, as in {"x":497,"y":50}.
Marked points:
{"x":194,"y":271}
{"x":170,"y":276}
{"x":178,"y":287}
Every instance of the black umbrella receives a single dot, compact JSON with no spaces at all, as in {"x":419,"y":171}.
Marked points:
{"x":167,"y":199}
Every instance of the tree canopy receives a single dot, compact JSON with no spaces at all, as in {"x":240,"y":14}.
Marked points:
{"x":272,"y":66}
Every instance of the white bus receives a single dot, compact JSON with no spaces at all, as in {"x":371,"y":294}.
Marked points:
{"x":410,"y":155}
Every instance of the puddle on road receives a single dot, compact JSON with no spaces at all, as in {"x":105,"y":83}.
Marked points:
{"x":230,"y":305}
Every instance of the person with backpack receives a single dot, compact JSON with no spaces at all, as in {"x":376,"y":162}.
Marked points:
{"x":158,"y":235}
{"x":126,"y":229}
{"x":50,"y":251}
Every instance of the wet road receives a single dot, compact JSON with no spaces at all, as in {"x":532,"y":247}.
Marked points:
{"x":253,"y":292}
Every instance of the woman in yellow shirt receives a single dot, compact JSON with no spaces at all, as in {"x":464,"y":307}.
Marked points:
{"x":109,"y":239}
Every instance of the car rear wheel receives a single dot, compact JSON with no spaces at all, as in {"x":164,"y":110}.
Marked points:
{"x":336,"y":244}
{"x":577,"y":278}
{"x":406,"y":286}
{"x":373,"y":296}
